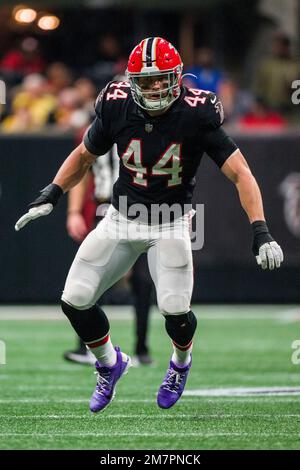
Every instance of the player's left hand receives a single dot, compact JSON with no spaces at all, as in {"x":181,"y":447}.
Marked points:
{"x":266,"y":250}
{"x":270,"y":255}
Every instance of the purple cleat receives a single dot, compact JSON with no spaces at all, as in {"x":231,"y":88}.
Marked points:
{"x":106,"y":381}
{"x":173,"y":385}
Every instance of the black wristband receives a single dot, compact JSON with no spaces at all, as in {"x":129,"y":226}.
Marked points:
{"x":50,"y":194}
{"x":261,"y":235}
{"x":259,"y":226}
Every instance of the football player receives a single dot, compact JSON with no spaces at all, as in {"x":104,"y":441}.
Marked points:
{"x":161,"y":129}
{"x":83,"y":217}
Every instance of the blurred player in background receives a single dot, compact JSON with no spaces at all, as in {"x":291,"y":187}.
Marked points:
{"x":92,"y":195}
{"x":162,"y":130}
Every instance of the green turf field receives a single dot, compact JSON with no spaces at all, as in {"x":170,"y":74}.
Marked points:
{"x":44,"y":400}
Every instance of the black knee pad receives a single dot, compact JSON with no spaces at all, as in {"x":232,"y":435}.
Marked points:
{"x":90,"y":324}
{"x":181,"y":328}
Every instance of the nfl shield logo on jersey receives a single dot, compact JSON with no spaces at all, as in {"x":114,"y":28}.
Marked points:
{"x":148,"y":127}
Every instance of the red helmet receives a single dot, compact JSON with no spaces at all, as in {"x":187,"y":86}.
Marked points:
{"x":155,"y":57}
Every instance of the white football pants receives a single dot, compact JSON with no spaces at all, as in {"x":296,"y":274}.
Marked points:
{"x":110,"y":250}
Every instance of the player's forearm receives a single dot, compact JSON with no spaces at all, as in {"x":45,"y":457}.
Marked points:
{"x":74,"y":168}
{"x":76,"y":195}
{"x":250,"y":196}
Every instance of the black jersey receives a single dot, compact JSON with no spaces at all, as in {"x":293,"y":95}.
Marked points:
{"x":159,"y":156}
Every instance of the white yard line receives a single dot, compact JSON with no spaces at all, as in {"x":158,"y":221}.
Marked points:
{"x":62,"y":400}
{"x":158,"y":416}
{"x":241,"y":391}
{"x":237,"y":376}
{"x":201,"y":392}
{"x":45,"y":367}
{"x":288,"y":398}
{"x":264,"y":391}
{"x":53,"y":312}
{"x":149,"y":434}
{"x":290,"y":316}
{"x":259,"y":312}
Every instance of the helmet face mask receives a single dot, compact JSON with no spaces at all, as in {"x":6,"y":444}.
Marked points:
{"x":154,"y":72}
{"x":155,"y":91}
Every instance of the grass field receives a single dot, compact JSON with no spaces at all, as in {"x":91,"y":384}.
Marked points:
{"x":44,"y":400}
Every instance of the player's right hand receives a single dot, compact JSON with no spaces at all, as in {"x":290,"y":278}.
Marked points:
{"x":33,"y":213}
{"x":42,"y":205}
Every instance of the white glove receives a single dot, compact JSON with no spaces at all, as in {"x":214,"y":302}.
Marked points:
{"x":270,"y":255}
{"x":33,"y":213}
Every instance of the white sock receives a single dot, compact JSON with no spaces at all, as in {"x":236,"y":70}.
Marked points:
{"x":182,"y":354}
{"x":104,"y":351}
